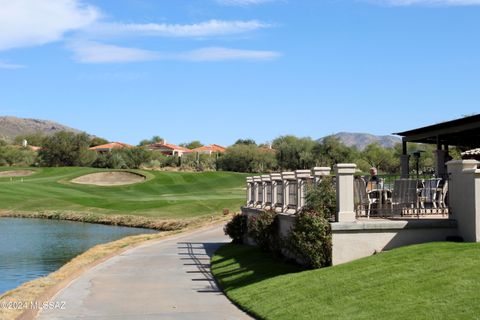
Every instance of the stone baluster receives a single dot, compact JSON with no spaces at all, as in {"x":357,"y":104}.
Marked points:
{"x":302,"y":176}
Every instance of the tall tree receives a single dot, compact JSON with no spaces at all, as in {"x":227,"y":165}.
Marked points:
{"x":67,"y":149}
{"x":331,"y":151}
{"x":192,"y":144}
{"x":293,"y":152}
{"x":245,"y":141}
{"x":154,"y":139}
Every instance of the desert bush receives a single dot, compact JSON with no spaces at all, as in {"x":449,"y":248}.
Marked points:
{"x":15,"y":156}
{"x":321,"y":198}
{"x":310,"y":240}
{"x":236,"y":228}
{"x":263,"y":229}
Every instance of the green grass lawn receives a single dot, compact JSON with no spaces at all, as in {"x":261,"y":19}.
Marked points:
{"x":427,"y":281}
{"x":164,"y":194}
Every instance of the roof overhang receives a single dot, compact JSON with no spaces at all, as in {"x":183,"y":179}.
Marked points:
{"x":463,"y":132}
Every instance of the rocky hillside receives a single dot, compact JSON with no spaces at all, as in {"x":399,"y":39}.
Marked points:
{"x":10,"y":127}
{"x":361,"y":140}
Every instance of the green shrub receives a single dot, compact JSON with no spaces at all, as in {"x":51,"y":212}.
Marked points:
{"x":263,"y":229}
{"x":236,"y":228}
{"x":310,"y":240}
{"x":322,"y":199}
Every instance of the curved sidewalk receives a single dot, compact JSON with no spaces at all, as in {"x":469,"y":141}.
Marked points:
{"x":168,"y":279}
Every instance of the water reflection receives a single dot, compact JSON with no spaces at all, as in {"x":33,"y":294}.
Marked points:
{"x":31,"y":248}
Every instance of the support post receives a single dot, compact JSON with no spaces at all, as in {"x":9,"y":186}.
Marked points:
{"x":404,"y":160}
{"x":464,"y":197}
{"x":345,"y":199}
{"x":250,"y":191}
{"x":258,"y":191}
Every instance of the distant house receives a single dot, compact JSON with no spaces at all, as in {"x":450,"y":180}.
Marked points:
{"x":213,"y":148}
{"x":168,"y":149}
{"x":110,"y":146}
{"x":27,"y":146}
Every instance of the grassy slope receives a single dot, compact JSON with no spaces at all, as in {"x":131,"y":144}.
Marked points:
{"x":164,"y":194}
{"x":428,"y":281}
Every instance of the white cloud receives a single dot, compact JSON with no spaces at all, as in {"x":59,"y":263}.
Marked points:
{"x":202,"y":29}
{"x":35,"y":22}
{"x":6,"y":65}
{"x":430,"y":2}
{"x":242,"y":2}
{"x":94,"y":52}
{"x":222,"y":54}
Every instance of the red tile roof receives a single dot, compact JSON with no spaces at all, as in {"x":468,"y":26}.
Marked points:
{"x":212,"y":148}
{"x":112,"y":145}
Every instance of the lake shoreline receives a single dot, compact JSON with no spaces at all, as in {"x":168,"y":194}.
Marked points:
{"x":43,"y":289}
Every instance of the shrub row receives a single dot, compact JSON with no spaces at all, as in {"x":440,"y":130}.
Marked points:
{"x":310,"y":239}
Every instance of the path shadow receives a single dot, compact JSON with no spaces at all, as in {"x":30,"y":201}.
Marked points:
{"x":198,"y":256}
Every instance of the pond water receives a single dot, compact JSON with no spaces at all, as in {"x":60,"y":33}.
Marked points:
{"x":32,"y":248}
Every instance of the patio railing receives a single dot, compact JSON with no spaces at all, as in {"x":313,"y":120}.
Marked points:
{"x":401,"y":196}
{"x":391,"y":196}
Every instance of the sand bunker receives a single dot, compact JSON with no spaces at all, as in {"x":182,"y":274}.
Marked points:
{"x":114,"y":178}
{"x":16,"y":173}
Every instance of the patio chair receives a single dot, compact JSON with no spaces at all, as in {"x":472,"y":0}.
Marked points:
{"x":441,"y":197}
{"x":429,"y":192}
{"x":404,"y":195}
{"x":362,"y":199}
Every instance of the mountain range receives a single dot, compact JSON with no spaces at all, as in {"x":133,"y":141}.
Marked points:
{"x":361,"y":140}
{"x":10,"y":127}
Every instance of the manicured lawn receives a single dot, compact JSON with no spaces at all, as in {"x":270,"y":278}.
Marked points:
{"x":164,"y":194}
{"x":428,"y":281}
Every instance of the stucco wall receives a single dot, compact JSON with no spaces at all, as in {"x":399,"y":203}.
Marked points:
{"x":357,"y":240}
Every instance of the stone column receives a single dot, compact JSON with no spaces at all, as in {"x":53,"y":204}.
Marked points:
{"x":250,"y":199}
{"x":258,"y":191}
{"x":319,"y":173}
{"x":276,"y":179}
{"x":404,"y":165}
{"x":464,"y":197}
{"x":345,"y":200}
{"x":302,"y":177}
{"x":440,"y":168}
{"x":267,"y":183}
{"x":287,"y":179}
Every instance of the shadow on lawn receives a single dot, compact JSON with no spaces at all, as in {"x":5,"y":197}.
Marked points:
{"x":244,"y":265}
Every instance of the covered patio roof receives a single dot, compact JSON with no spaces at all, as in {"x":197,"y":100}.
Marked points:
{"x":463,"y":132}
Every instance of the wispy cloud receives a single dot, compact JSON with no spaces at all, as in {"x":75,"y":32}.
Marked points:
{"x":242,"y":2}
{"x":94,"y":52}
{"x":6,"y":65}
{"x":429,"y":2}
{"x":203,"y":29}
{"x":26,"y":23}
{"x":222,"y":54}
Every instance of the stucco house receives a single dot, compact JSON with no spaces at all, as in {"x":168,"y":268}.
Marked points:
{"x":210,"y":149}
{"x":110,"y":146}
{"x":169,"y":149}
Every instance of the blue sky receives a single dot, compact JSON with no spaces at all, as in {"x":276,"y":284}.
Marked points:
{"x":219,"y":70}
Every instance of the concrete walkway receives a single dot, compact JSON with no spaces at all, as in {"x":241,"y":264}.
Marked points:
{"x":168,"y":279}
